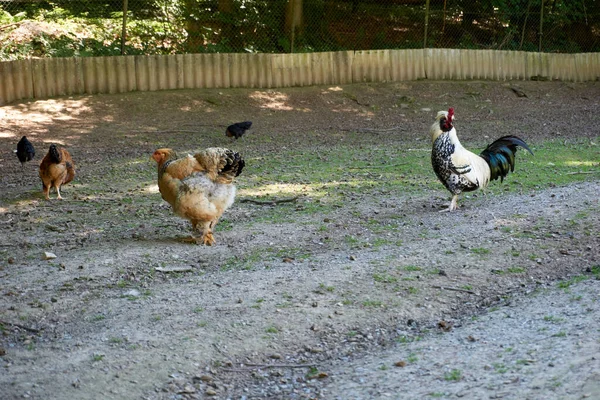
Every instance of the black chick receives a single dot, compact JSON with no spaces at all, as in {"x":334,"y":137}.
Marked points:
{"x":238,"y":129}
{"x":25,"y":151}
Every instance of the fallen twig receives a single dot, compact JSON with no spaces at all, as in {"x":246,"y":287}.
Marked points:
{"x":168,"y":131}
{"x":377,"y":166}
{"x":371,"y":129}
{"x":255,"y":366}
{"x":173,"y":269}
{"x":28,"y":329}
{"x":453,"y":289}
{"x":9,"y":25}
{"x":269,"y":202}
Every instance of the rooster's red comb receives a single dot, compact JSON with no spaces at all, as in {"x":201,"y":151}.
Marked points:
{"x":450,"y":113}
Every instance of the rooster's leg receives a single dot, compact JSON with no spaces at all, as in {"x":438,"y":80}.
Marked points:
{"x":453,"y":204}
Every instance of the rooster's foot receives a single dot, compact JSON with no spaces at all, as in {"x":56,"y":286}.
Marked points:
{"x":453,"y":205}
{"x":206,"y":239}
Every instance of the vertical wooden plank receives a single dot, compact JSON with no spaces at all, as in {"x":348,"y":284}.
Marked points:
{"x":152,"y":75}
{"x":188,"y":72}
{"x":39,"y":87}
{"x":141,"y":76}
{"x":253,"y":68}
{"x":7,"y":87}
{"x":208,"y":70}
{"x":109,"y":71}
{"x":130,"y":67}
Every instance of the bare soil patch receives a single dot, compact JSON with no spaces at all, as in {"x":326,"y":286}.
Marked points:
{"x":287,"y":296}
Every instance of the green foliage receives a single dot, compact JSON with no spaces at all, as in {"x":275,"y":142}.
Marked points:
{"x":93,"y":28}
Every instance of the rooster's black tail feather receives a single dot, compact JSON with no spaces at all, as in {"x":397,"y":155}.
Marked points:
{"x":500,"y":155}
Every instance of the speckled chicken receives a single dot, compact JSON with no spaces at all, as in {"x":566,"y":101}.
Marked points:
{"x":199,"y":188}
{"x":463,"y":171}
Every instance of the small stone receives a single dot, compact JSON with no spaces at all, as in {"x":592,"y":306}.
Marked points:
{"x":276,"y":356}
{"x":210,"y":392}
{"x":11,"y":260}
{"x":426,"y":109}
{"x":352,"y":258}
{"x":132,"y":292}
{"x":204,"y":378}
{"x":400,"y":364}
{"x":53,"y":299}
{"x":49,"y":256}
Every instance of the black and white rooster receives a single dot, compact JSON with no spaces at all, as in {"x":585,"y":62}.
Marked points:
{"x":463,"y":171}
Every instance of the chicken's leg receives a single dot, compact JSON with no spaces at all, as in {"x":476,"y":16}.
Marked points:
{"x":205,"y":229}
{"x":453,"y":204}
{"x":57,"y":187}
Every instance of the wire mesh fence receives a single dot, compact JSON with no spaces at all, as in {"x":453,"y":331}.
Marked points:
{"x":62,"y":28}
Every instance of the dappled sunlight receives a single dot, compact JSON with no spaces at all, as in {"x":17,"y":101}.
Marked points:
{"x":272,"y":100}
{"x":317,"y":189}
{"x":582,"y":163}
{"x":278,"y":189}
{"x":151,"y":189}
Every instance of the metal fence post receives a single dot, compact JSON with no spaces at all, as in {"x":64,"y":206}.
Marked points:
{"x":426,"y":24}
{"x":541,"y":25}
{"x":124,"y":31}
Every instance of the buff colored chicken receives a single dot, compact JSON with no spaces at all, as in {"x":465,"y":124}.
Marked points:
{"x":56,"y":169}
{"x":199,"y":188}
{"x":463,"y":171}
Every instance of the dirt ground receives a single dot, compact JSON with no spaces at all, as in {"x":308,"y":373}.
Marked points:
{"x":381,"y":296}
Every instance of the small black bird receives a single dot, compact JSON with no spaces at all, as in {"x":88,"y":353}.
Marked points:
{"x":238,"y":129}
{"x":25,"y":150}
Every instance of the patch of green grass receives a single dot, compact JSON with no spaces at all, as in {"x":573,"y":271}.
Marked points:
{"x":372,"y":303}
{"x":326,"y":288}
{"x":412,"y":268}
{"x":480,"y":250}
{"x":560,"y":334}
{"x":198,"y":309}
{"x":515,"y":270}
{"x":568,"y":283}
{"x":412,"y":358}
{"x":454,"y":375}
{"x":384,"y":278}
{"x":272,"y":329}
{"x":500,"y":368}
{"x":98,"y":317}
{"x":115,"y":340}
{"x":97,"y":357}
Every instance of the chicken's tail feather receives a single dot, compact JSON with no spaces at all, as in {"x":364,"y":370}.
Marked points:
{"x":234,"y":164}
{"x":500,"y":155}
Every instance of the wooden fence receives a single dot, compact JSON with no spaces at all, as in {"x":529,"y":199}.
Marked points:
{"x":49,"y":77}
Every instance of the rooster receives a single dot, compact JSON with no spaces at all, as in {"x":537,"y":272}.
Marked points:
{"x":463,"y":171}
{"x":238,"y":129}
{"x":56,"y":169}
{"x":25,"y":151}
{"x":199,"y":188}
